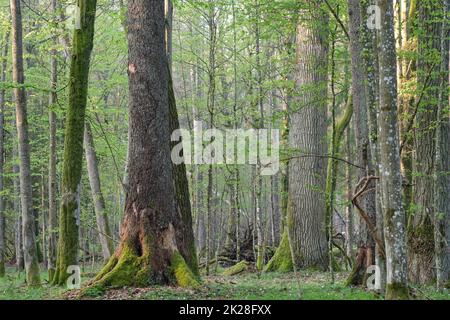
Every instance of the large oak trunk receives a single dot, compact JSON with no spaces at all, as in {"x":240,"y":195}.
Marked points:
{"x":156,"y":244}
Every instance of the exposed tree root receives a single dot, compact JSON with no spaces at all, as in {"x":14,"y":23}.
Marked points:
{"x":128,"y":269}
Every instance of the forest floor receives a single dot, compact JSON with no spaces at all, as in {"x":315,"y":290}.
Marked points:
{"x":247,"y":286}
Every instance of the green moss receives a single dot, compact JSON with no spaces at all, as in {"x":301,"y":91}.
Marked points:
{"x":282,"y":259}
{"x":397,"y":291}
{"x":73,"y":141}
{"x":107,"y":268}
{"x":124,"y":271}
{"x":236,"y":269}
{"x":68,"y":240}
{"x":183,"y":275}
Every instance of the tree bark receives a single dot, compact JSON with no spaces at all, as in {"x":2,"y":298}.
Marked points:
{"x":150,"y":252}
{"x":361,"y":125}
{"x":371,"y":79}
{"x":421,"y":231}
{"x":308,"y":131}
{"x":52,"y":206}
{"x":2,"y":152}
{"x":442,"y":165}
{"x":28,"y":223}
{"x":101,"y":216}
{"x":391,"y":179}
{"x":73,"y":144}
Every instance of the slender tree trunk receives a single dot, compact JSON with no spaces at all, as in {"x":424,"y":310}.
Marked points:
{"x":68,"y":243}
{"x":149,"y":250}
{"x":212,"y":27}
{"x":406,"y":100}
{"x":2,"y":153}
{"x":16,"y":187}
{"x":391,"y":179}
{"x":101,"y":216}
{"x":261,"y":122}
{"x":369,"y":44}
{"x":368,"y":201}
{"x":349,"y":229}
{"x":28,"y":223}
{"x":52,"y":206}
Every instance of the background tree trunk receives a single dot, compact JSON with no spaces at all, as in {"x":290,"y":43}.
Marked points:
{"x":28,"y":222}
{"x":421,"y":234}
{"x":101,"y":216}
{"x":2,"y":152}
{"x":52,"y":205}
{"x":391,"y":179}
{"x":442,"y":165}
{"x":73,"y":144}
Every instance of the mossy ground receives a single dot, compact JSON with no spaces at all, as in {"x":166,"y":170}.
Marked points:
{"x":269,"y":286}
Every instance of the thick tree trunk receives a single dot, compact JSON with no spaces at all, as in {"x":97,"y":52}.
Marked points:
{"x":2,"y":152}
{"x":391,"y":179}
{"x":73,"y":144}
{"x":151,"y":246}
{"x":101,"y":216}
{"x":421,"y":232}
{"x":28,"y":223}
{"x":442,"y":166}
{"x":308,"y":133}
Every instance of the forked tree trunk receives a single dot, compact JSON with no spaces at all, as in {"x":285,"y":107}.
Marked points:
{"x":28,"y":223}
{"x":104,"y":232}
{"x":73,"y":144}
{"x":155,"y":247}
{"x":391,"y":179}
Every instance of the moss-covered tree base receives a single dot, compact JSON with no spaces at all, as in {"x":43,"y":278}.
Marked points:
{"x":128,"y":269}
{"x":282,"y":259}
{"x":397,"y":291}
